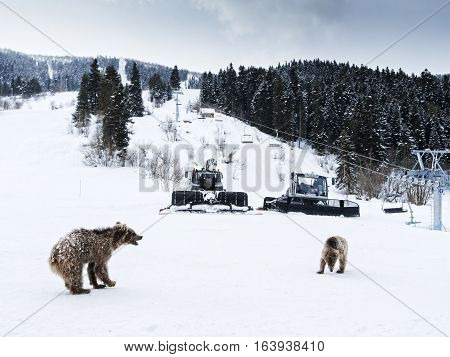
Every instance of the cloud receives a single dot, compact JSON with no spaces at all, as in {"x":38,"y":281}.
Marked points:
{"x":288,"y":18}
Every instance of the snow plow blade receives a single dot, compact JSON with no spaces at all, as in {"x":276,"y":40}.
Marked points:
{"x":312,"y":206}
{"x":194,"y":202}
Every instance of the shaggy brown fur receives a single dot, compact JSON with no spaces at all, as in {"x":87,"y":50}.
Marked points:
{"x":334,"y":248}
{"x":89,"y":246}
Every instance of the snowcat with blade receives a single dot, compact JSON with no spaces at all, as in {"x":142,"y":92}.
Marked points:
{"x":308,"y":193}
{"x":206,"y":194}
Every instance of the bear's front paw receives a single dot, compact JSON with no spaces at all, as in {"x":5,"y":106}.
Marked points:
{"x":99,"y":286}
{"x":111,"y":283}
{"x":320,"y":272}
{"x":340,"y":272}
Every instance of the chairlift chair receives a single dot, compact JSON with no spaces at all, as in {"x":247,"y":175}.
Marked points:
{"x":274,"y":143}
{"x":394,"y":198}
{"x":246,"y":138}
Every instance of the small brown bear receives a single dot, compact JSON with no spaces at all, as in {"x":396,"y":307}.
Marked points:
{"x":89,"y":246}
{"x":334,"y":248}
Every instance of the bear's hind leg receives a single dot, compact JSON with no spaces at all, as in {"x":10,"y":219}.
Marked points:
{"x":73,"y":279}
{"x":342,"y":264}
{"x":93,"y":277}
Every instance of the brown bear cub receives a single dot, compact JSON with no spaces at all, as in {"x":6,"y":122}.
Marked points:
{"x":89,"y":246}
{"x":334,"y":248}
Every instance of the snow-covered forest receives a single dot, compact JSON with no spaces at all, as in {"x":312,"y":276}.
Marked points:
{"x":55,"y":73}
{"x":380,"y":113}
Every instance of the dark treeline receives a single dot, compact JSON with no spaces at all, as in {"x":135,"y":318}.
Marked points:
{"x":18,"y":86}
{"x":56,"y":74}
{"x":382,"y":114}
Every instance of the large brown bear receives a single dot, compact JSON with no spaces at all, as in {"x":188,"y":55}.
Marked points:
{"x":89,"y":246}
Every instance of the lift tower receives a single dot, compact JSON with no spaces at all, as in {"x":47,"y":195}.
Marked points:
{"x":434,"y":175}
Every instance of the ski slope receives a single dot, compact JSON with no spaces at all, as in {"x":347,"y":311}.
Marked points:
{"x":202,"y":275}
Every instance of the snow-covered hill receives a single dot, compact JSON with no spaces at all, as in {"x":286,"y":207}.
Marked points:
{"x":193,"y":274}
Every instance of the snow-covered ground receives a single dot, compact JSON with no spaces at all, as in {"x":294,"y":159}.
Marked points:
{"x":202,"y":275}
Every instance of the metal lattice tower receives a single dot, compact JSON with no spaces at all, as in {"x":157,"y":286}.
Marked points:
{"x":434,"y":175}
{"x":177,"y":113}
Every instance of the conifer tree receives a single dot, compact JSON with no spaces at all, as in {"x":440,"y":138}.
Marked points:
{"x":262,"y":103}
{"x":81,"y":116}
{"x":175,"y":78}
{"x":157,"y":89}
{"x":168,"y":93}
{"x":346,"y":171}
{"x":230,"y":90}
{"x":135,"y":93}
{"x":115,"y":124}
{"x":279,"y":105}
{"x":109,"y":83}
{"x":94,"y":87}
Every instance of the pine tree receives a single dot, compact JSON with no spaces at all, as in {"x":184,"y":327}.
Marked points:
{"x":400,"y":136}
{"x":296,"y":100}
{"x":262,"y":103}
{"x":314,"y":120}
{"x":230,"y":90}
{"x":332,"y":120}
{"x":206,"y":91}
{"x":157,"y":89}
{"x":81,"y":116}
{"x":241,"y":93}
{"x":346,"y":171}
{"x":175,"y":78}
{"x":168,"y":92}
{"x":279,"y":105}
{"x":108,"y":85}
{"x":115,"y":124}
{"x":436,"y":135}
{"x":94,"y":87}
{"x":135,"y":93}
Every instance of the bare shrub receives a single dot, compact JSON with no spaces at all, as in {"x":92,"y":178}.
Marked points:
{"x":229,"y":154}
{"x":279,"y":154}
{"x":220,"y":140}
{"x":6,"y":104}
{"x":17,"y":103}
{"x":419,"y":194}
{"x":161,"y":164}
{"x":369,"y":184}
{"x":169,"y":128}
{"x":281,"y":176}
{"x":94,"y":153}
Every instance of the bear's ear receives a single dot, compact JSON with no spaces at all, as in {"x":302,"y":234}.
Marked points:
{"x":121,"y":227}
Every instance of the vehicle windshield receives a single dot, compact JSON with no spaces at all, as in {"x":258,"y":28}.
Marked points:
{"x":311,"y":186}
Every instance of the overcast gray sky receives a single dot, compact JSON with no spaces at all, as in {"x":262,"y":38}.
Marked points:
{"x":209,"y":34}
